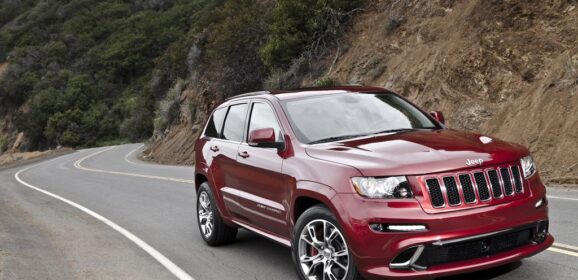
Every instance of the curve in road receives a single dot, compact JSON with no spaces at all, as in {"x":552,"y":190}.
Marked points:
{"x":152,"y":207}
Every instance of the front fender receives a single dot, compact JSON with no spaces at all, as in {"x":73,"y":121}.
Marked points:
{"x":312,"y":190}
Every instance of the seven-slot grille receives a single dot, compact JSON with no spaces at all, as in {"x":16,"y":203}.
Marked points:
{"x":468,"y":188}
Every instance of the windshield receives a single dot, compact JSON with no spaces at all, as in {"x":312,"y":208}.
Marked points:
{"x":341,"y":116}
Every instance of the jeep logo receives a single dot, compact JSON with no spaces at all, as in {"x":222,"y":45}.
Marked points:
{"x":474,"y":162}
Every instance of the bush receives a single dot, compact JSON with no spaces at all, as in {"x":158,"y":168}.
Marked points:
{"x":92,"y":57}
{"x":167,"y":110}
{"x":3,"y":143}
{"x":297,"y":24}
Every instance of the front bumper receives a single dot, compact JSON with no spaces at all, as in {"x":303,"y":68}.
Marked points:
{"x":462,"y":266}
{"x":374,"y":251}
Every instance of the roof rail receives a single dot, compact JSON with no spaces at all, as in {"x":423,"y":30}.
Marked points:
{"x":247,"y":94}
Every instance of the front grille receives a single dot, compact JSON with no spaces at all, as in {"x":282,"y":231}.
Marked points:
{"x":495,"y":181}
{"x":452,"y":190}
{"x":517,"y":180}
{"x":475,"y":248}
{"x":468,"y":188}
{"x":506,"y":179}
{"x":482,"y":186}
{"x":435,"y":192}
{"x":474,"y":187}
{"x":422,"y":256}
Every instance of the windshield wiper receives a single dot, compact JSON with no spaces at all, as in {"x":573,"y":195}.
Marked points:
{"x":336,"y":138}
{"x":395,"y":130}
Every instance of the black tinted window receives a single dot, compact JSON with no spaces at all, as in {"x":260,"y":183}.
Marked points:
{"x":262,"y":116}
{"x":235,"y":123}
{"x":216,"y":123}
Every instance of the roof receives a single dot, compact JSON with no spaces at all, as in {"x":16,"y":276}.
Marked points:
{"x":311,"y":91}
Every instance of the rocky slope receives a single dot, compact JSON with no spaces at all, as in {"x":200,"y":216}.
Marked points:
{"x":505,"y":68}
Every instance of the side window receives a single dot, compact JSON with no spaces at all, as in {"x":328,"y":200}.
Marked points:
{"x":216,"y":123}
{"x":235,"y":123}
{"x":262,"y":116}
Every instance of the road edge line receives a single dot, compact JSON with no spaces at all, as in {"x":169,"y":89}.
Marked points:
{"x":78,"y":165}
{"x":164,"y":261}
{"x":560,"y":197}
{"x":126,"y":157}
{"x":562,"y":251}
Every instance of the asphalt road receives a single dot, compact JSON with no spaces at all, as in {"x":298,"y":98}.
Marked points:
{"x":103,"y":214}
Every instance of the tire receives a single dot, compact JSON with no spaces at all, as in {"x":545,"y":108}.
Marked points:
{"x":211,"y":226}
{"x":317,"y":255}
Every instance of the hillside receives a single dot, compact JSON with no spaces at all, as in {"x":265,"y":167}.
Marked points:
{"x":82,"y":73}
{"x":505,"y":68}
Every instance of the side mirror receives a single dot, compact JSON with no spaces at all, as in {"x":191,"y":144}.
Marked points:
{"x":264,"y":138}
{"x":438,"y":116}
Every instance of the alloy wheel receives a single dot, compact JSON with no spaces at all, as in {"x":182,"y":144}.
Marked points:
{"x":323,"y":253}
{"x":205,"y":216}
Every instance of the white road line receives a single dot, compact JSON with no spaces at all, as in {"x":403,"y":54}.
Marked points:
{"x":78,"y":165}
{"x":562,"y":251}
{"x":127,"y":156}
{"x":560,"y":197}
{"x":164,"y":261}
{"x":566,"y":246}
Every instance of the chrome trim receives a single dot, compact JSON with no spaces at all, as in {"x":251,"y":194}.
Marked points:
{"x":458,"y":240}
{"x":410,"y":264}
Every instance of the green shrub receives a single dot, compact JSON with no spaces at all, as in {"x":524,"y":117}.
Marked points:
{"x":299,"y":23}
{"x":3,"y":143}
{"x":167,"y":110}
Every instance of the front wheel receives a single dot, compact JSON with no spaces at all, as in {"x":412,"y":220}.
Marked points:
{"x":320,"y":251}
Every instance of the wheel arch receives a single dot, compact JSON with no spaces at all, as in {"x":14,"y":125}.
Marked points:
{"x":307,"y":195}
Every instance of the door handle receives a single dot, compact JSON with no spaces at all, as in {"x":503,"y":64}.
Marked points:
{"x":244,"y":154}
{"x":214,"y":148}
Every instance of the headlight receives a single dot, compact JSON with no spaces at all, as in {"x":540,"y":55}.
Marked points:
{"x":389,"y":187}
{"x":528,"y":166}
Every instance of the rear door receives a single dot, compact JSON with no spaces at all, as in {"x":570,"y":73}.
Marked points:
{"x":260,"y":192}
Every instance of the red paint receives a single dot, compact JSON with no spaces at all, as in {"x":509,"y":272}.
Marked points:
{"x":262,"y":186}
{"x":263,"y":135}
{"x":439,"y":116}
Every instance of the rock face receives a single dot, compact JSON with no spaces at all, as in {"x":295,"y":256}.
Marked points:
{"x":504,"y":68}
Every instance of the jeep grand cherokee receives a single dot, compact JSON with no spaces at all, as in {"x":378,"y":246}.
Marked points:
{"x":360,"y":182}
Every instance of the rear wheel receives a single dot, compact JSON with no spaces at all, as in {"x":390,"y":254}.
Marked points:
{"x":213,"y":230}
{"x":320,"y":251}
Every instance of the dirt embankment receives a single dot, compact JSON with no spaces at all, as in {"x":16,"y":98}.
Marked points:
{"x":12,"y":159}
{"x":505,"y":68}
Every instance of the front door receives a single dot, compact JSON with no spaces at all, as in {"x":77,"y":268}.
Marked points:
{"x":261,"y":190}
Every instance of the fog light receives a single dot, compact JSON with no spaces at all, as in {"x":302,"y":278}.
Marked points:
{"x":406,"y":227}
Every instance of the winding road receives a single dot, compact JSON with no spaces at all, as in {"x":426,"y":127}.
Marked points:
{"x":103,"y":214}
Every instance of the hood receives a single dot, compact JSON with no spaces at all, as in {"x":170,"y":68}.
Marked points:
{"x":418,"y":152}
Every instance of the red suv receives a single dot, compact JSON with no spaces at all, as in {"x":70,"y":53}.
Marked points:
{"x":360,"y":182}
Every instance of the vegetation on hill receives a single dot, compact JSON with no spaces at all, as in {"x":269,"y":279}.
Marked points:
{"x":82,"y":72}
